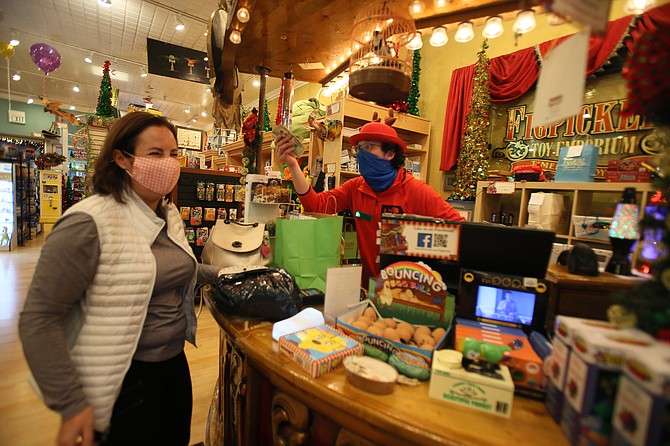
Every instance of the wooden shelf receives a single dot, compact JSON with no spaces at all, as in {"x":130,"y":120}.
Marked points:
{"x":581,"y":199}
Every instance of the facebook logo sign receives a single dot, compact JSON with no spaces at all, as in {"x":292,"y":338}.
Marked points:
{"x":424,"y":240}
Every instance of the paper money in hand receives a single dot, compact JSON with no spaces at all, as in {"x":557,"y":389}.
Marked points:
{"x":279,"y":131}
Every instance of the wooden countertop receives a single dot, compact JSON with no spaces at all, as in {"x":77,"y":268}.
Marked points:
{"x":407,"y":416}
{"x":559,"y":274}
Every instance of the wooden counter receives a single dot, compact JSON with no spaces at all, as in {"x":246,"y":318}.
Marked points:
{"x":261,"y":391}
{"x":584,"y":296}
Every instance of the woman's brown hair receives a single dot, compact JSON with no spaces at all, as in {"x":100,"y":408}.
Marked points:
{"x":108,"y":177}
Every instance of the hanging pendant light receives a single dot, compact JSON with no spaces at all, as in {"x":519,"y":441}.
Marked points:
{"x":638,"y":6}
{"x":439,"y":36}
{"x":465,"y":32}
{"x":235,"y":37}
{"x":493,"y":27}
{"x":416,"y":43}
{"x":525,"y":21}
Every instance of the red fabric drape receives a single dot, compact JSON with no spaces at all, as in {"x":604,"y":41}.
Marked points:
{"x":513,"y":74}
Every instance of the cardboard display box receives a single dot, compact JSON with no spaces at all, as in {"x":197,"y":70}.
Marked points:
{"x":318,"y":350}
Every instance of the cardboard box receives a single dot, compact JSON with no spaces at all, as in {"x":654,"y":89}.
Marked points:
{"x":524,"y":364}
{"x":621,"y":176}
{"x":642,"y":408}
{"x":318,"y":350}
{"x":474,"y":390}
{"x":593,"y":375}
{"x":422,"y":358}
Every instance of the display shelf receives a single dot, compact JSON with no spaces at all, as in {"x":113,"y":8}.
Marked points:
{"x":185,"y":195}
{"x":581,"y":199}
{"x":353,"y":114}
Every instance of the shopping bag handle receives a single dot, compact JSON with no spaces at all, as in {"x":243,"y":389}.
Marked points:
{"x":325,"y":211}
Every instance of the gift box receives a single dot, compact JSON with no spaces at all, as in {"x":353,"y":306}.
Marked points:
{"x":592,"y":379}
{"x":319,"y":350}
{"x":642,"y":408}
{"x":619,"y":176}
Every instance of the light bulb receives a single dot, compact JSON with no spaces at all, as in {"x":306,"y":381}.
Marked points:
{"x":243,"y":15}
{"x":89,"y":58}
{"x":638,"y":6}
{"x":493,"y":27}
{"x":30,"y":100}
{"x":235,"y":37}
{"x":525,"y":21}
{"x":16,"y":77}
{"x":105,"y":3}
{"x":416,"y":43}
{"x":416,"y":7}
{"x":203,"y":113}
{"x":439,"y":36}
{"x":465,"y":32}
{"x":75,"y":88}
{"x":178,"y":24}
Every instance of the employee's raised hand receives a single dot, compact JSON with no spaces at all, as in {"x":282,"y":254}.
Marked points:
{"x":285,"y":150}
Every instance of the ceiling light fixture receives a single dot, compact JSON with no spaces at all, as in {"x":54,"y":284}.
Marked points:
{"x":235,"y":37}
{"x":243,"y":15}
{"x":440,"y":3}
{"x":194,"y":119}
{"x":187,"y":110}
{"x":208,"y":90}
{"x":143,"y":73}
{"x":30,"y":100}
{"x":525,"y":21}
{"x":75,"y":88}
{"x":416,"y":7}
{"x":105,"y":3}
{"x":416,"y":43}
{"x":178,"y":24}
{"x":72,"y":107}
{"x":203,"y":113}
{"x":89,"y":58}
{"x":465,"y":32}
{"x":256,"y":83}
{"x":439,"y":36}
{"x":493,"y":27}
{"x":638,"y":6}
{"x":16,"y":77}
{"x":14,"y":40}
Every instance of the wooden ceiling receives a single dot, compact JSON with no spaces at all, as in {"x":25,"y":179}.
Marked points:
{"x":282,"y":34}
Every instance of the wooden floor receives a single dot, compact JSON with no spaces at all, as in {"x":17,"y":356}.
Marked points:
{"x":24,"y":420}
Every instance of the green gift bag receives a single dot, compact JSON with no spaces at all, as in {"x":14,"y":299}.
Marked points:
{"x":350,"y":243}
{"x":306,"y":248}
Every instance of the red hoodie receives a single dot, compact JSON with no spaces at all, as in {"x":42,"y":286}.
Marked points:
{"x":406,"y":195}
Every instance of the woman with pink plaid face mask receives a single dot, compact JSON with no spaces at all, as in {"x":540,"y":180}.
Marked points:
{"x":111,"y":301}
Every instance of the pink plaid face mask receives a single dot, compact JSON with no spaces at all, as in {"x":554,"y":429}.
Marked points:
{"x":159,"y":175}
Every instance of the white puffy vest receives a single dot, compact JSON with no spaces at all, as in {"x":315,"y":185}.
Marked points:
{"x":105,"y":337}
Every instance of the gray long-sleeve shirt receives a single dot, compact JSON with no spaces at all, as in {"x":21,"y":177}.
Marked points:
{"x":66,"y":267}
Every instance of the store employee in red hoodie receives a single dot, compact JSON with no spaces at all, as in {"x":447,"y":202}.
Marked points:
{"x":384,"y":186}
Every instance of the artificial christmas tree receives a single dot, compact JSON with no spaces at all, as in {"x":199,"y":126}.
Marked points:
{"x":473,"y":160}
{"x":104,"y":107}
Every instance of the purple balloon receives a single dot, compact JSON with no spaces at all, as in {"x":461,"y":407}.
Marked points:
{"x":45,"y":57}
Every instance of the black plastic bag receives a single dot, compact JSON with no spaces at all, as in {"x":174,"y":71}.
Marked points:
{"x":268,"y":293}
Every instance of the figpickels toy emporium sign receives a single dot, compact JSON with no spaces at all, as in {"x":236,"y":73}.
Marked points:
{"x":516,"y":141}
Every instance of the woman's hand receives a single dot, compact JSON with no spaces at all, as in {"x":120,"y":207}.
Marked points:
{"x":77,"y":430}
{"x":285,"y":151}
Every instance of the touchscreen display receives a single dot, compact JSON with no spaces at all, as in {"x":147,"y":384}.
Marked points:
{"x":505,"y":305}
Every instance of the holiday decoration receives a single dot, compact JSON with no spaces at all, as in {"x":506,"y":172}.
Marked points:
{"x":400,"y":106}
{"x":104,"y":107}
{"x":6,"y":50}
{"x":45,"y":57}
{"x":279,"y":104}
{"x":266,"y":117}
{"x":413,"y":97}
{"x":473,"y":160}
{"x":648,"y":80}
{"x":68,"y":199}
{"x":251,"y":142}
{"x":49,"y":160}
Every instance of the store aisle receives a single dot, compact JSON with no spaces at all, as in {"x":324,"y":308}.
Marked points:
{"x":24,"y":420}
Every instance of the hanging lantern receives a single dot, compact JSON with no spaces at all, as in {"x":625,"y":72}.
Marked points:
{"x":381,"y":65}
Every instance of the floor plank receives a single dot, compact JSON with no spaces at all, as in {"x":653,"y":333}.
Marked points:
{"x":24,"y":420}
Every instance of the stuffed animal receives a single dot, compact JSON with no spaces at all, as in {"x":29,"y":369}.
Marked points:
{"x":480,"y":350}
{"x":302,"y":110}
{"x":4,"y":237}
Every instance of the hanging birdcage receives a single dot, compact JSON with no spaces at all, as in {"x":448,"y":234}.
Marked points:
{"x":381,"y":65}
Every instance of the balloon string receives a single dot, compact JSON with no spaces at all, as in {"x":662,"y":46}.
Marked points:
{"x":44,"y":87}
{"x":9,"y":87}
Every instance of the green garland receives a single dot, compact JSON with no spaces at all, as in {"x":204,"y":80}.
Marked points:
{"x":413,"y":96}
{"x":266,"y":117}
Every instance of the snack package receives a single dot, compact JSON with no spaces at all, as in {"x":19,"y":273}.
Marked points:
{"x":298,"y":148}
{"x":210,"y":214}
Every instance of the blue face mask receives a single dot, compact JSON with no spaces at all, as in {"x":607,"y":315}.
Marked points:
{"x":377,"y":172}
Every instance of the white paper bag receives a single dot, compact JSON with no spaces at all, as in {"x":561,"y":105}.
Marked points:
{"x":547,"y":211}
